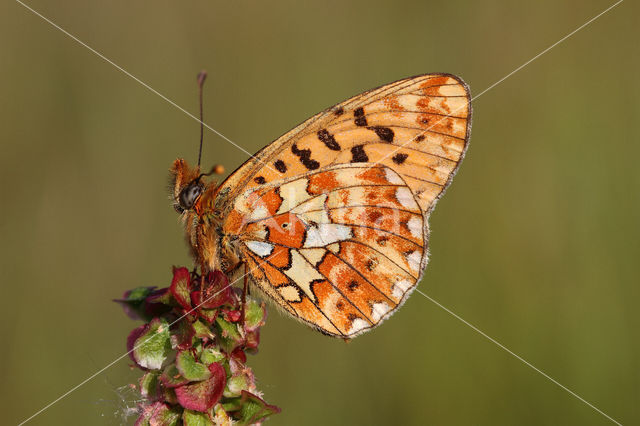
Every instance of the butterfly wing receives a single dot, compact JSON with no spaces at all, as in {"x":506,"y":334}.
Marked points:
{"x":418,"y":127}
{"x":331,"y":218}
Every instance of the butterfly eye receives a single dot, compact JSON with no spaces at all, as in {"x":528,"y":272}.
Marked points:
{"x":189,"y":195}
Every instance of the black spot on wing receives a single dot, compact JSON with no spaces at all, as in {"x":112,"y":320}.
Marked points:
{"x":305,"y":157}
{"x":384,"y":133}
{"x":419,"y":138}
{"x":358,"y":155}
{"x":360,"y":119}
{"x":280,"y":166}
{"x":328,"y":139}
{"x":399,"y":158}
{"x":259,"y":180}
{"x":371,"y":264}
{"x":338,"y":112}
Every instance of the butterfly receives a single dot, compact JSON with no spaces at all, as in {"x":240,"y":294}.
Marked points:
{"x":330,"y":219}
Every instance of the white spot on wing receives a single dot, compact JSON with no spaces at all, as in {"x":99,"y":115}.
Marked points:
{"x":293,"y":193}
{"x":393,"y":177}
{"x":313,"y":210}
{"x":357,"y":325}
{"x":415,"y":227}
{"x":259,"y":212}
{"x":405,"y":197}
{"x":400,"y":288}
{"x":326,"y":233}
{"x":414,"y":259}
{"x":260,"y":248}
{"x":313,"y":255}
{"x":315,"y":203}
{"x":334,"y":248}
{"x":261,"y":233}
{"x":289,"y":293}
{"x":317,"y":216}
{"x":378,"y":310}
{"x":302,"y":273}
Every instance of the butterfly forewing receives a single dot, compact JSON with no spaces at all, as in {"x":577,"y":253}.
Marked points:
{"x":418,"y":126}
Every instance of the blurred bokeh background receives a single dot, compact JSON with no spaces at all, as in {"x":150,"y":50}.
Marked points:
{"x":536,"y":242}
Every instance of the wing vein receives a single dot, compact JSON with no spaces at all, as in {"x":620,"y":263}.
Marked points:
{"x":337,"y":289}
{"x":316,"y":196}
{"x":382,"y":254}
{"x":292,"y":282}
{"x":364,"y":278}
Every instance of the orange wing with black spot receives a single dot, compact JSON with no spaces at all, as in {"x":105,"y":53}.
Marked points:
{"x":419,"y":127}
{"x":331,"y":218}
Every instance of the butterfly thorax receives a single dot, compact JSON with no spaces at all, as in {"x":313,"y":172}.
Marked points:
{"x":194,"y":198}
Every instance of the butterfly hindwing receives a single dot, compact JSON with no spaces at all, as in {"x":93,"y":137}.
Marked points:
{"x":339,"y":248}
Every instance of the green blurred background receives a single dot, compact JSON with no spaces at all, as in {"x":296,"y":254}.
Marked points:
{"x":536,"y":242}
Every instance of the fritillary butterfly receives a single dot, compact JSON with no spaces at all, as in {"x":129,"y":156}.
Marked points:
{"x":330,"y":219}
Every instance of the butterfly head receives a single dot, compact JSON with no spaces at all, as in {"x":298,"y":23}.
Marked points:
{"x":187,"y":185}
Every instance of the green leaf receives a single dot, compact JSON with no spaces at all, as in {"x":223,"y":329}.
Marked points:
{"x":152,"y":348}
{"x":158,"y":414}
{"x":232,"y":404}
{"x":230,"y":336}
{"x":235,"y":385}
{"x":166,"y":416}
{"x":133,"y":302}
{"x":211,"y":355}
{"x":202,"y":331}
{"x":208,"y":314}
{"x":254,"y":315}
{"x":171,"y":377}
{"x":181,"y":287}
{"x":149,"y":388}
{"x":138,"y":294}
{"x":189,"y":368}
{"x":255,"y":409}
{"x":194,"y":418}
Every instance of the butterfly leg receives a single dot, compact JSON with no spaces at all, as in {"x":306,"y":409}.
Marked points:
{"x":203,"y":273}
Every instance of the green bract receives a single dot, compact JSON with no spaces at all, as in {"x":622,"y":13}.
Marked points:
{"x":152,"y":346}
{"x":189,"y":368}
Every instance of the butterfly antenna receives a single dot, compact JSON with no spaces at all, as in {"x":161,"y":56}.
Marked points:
{"x":201,"y":77}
